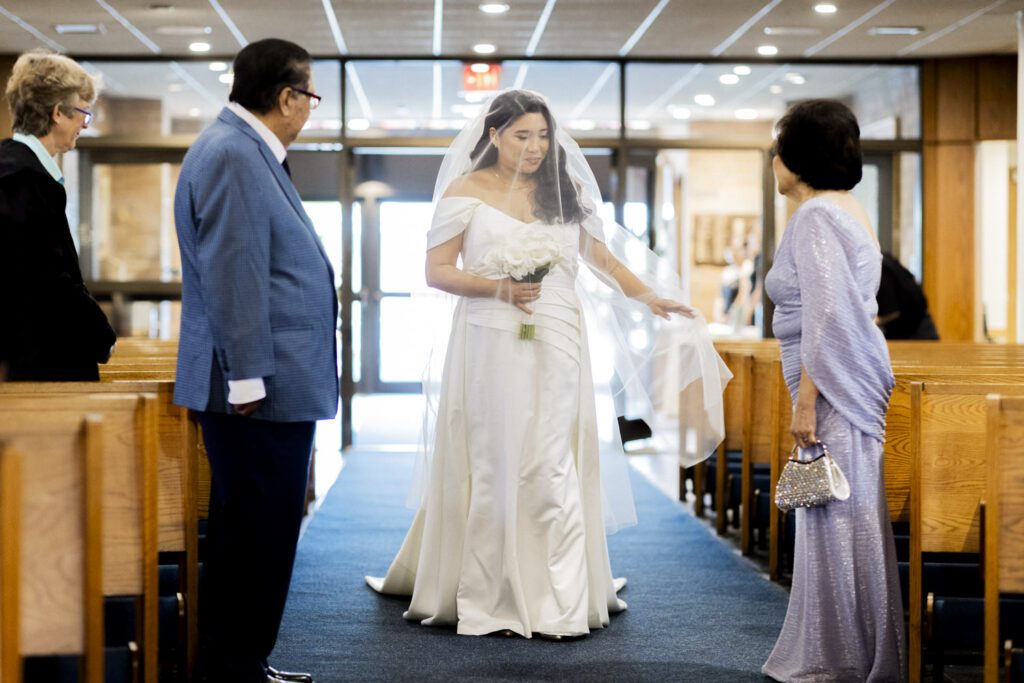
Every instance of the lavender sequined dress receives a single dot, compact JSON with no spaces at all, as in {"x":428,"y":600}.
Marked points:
{"x":845,"y":617}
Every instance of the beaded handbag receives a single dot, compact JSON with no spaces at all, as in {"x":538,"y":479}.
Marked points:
{"x":810,"y":483}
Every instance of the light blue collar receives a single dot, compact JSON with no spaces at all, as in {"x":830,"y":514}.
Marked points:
{"x":48,"y":162}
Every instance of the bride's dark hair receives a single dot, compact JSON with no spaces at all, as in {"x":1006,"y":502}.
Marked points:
{"x":556,"y":197}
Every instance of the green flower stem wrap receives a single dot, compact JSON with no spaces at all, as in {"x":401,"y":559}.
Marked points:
{"x":528,"y":331}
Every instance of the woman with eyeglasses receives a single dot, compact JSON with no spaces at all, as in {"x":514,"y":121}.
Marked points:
{"x":52,"y":329}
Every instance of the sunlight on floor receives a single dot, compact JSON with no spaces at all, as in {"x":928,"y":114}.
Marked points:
{"x":392,"y":422}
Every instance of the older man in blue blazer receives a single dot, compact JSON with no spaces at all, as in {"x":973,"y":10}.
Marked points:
{"x":257,"y":357}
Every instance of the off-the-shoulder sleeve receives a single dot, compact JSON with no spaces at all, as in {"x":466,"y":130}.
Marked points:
{"x":451,"y":217}
{"x":841,"y":348}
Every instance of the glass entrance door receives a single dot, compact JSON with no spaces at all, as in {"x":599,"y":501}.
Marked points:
{"x":390,"y":218}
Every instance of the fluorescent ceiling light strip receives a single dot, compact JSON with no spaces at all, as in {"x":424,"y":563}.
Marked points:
{"x":438,"y":25}
{"x":538,"y":31}
{"x":180,"y":72}
{"x":524,"y":69}
{"x":846,"y":29}
{"x":435,"y":111}
{"x":357,"y":88}
{"x":242,"y":42}
{"x":949,"y":29}
{"x":594,"y":90}
{"x":52,"y":44}
{"x":153,"y":47}
{"x":332,"y":21}
{"x":107,"y":80}
{"x":664,"y":98}
{"x":746,"y":26}
{"x":642,"y":29}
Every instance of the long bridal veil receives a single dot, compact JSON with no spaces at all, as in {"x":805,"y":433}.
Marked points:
{"x":663,"y":371}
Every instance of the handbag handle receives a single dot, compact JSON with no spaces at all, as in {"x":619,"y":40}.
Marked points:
{"x":793,"y":457}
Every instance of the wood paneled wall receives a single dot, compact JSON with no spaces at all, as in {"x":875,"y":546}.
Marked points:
{"x":963,"y":102}
{"x":6,"y":64}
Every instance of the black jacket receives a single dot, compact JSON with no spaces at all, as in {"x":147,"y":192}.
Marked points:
{"x":51,"y":329}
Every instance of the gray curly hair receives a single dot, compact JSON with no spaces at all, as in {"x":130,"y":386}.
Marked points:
{"x":41,"y":80}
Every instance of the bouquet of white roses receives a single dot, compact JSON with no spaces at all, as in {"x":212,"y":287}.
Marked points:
{"x":525,"y":256}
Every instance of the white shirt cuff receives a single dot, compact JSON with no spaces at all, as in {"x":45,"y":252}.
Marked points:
{"x":241,"y":391}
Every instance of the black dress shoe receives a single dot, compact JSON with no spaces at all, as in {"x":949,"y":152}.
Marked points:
{"x":273,"y":675}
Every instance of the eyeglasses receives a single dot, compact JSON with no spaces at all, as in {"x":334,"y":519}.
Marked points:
{"x":86,"y":113}
{"x":314,"y":99}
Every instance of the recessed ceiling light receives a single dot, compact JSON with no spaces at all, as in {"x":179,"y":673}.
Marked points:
{"x":494,"y":7}
{"x":746,"y":114}
{"x":583,"y":124}
{"x":767,"y":50}
{"x":639,"y":124}
{"x":480,"y":68}
{"x":741,"y":70}
{"x":194,"y":112}
{"x":795,"y":78}
{"x":681,"y":113}
{"x":894,"y":30}
{"x":825,"y":8}
{"x":358,"y":124}
{"x":791,"y":31}
{"x":79,"y":29}
{"x":775,"y":89}
{"x":226,"y":79}
{"x":704,"y":100}
{"x":184,"y":30}
{"x":175,"y":87}
{"x":199,"y":47}
{"x":484,"y":49}
{"x":728,"y":79}
{"x":218,"y":66}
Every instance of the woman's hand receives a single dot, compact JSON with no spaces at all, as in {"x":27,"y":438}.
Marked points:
{"x":805,"y":421}
{"x":662,"y":308}
{"x":519,"y":294}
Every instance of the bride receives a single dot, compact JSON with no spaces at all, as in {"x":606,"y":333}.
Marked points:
{"x":519,"y":479}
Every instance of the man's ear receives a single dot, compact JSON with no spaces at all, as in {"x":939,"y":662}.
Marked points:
{"x":284,"y":97}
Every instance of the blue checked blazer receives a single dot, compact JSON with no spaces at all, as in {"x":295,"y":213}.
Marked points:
{"x":258,"y":296}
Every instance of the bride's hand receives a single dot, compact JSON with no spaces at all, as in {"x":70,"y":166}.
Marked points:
{"x":519,"y":294}
{"x":662,"y":307}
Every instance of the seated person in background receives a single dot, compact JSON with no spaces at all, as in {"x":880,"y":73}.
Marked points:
{"x":902,"y":306}
{"x":52,"y":329}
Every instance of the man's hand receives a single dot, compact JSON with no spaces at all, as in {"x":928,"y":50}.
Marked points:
{"x":247,"y":409}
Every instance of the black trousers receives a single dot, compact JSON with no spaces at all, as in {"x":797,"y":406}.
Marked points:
{"x":260,"y":470}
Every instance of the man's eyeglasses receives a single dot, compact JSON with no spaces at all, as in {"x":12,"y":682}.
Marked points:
{"x":314,"y":99}
{"x":86,"y":113}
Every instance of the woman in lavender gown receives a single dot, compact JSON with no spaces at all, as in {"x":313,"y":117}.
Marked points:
{"x":845,"y":617}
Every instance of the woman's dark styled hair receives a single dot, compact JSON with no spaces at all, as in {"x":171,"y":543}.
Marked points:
{"x":556,"y":197}
{"x":819,"y":141}
{"x":264,"y":68}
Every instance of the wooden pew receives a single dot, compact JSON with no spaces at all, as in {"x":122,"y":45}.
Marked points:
{"x":760,"y":437}
{"x":129,"y":495}
{"x":948,"y":480}
{"x":736,"y":408}
{"x":51,"y":479}
{"x":1004,"y":517}
{"x":178,"y":472}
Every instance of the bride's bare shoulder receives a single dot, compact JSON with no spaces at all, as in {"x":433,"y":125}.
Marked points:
{"x":472,"y":185}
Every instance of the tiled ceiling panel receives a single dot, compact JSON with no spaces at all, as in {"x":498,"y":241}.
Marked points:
{"x":684,"y":28}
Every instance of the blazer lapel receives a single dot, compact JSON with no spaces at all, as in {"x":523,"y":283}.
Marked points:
{"x":287,"y":186}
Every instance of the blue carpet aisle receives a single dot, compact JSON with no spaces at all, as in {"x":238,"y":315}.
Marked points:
{"x":697,"y":612}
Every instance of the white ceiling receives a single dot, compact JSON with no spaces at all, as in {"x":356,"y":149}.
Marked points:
{"x":597,"y":28}
{"x":584,"y":92}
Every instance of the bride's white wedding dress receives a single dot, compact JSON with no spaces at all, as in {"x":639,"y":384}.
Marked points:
{"x":510,"y":533}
